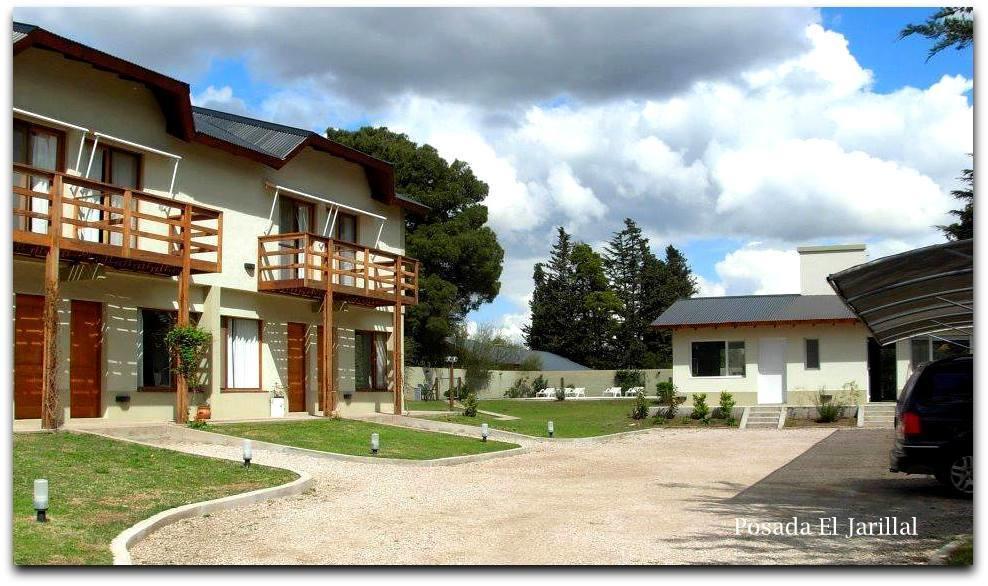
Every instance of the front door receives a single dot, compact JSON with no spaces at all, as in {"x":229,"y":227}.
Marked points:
{"x":296,"y":367}
{"x":771,"y":370}
{"x":28,"y":356}
{"x":881,"y":372}
{"x":86,"y":359}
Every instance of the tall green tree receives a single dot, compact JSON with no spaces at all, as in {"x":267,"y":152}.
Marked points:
{"x":671,"y":279}
{"x":594,"y":310}
{"x":552,"y":300}
{"x":460,"y":255}
{"x":948,"y":27}
{"x":628,"y":263}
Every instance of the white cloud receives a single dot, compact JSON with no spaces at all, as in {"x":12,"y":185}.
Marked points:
{"x":221,"y":98}
{"x":758,"y":271}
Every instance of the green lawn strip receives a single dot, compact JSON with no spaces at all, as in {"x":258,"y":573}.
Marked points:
{"x":427,"y":405}
{"x":348,"y":436}
{"x":99,"y":487}
{"x":571,"y":418}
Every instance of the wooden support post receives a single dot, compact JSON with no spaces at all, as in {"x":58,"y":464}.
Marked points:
{"x":397,"y":360}
{"x":182,"y":385}
{"x":328,"y":398}
{"x":49,"y":361}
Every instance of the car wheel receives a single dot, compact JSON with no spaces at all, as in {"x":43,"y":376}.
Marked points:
{"x":958,"y":475}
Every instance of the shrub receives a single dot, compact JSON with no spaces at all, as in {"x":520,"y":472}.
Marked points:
{"x":539,"y":384}
{"x":726,"y":406}
{"x":828,"y":406}
{"x":700,"y":409}
{"x":666,"y":392}
{"x":640,"y":408}
{"x":561,"y":394}
{"x":629,"y":378}
{"x":519,"y":388}
{"x":470,"y":405}
{"x":190,"y":346}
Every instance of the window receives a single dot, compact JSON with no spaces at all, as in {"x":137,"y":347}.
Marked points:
{"x":812,"y":354}
{"x":371,"y":361}
{"x":720,"y":358}
{"x":43,"y":148}
{"x":346,"y":231}
{"x":241,"y":353}
{"x":154,"y":360}
{"x":925,"y":349}
{"x":116,"y":167}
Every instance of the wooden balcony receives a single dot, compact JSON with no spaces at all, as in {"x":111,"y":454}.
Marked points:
{"x":123,"y":229}
{"x":305,"y":264}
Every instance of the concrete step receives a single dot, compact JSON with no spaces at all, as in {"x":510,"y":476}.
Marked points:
{"x":752,"y":419}
{"x":878,"y":424}
{"x":762,"y":425}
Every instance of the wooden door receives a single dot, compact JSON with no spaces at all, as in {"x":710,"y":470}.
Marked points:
{"x":320,"y":344}
{"x":86,"y":359}
{"x":28,"y":356}
{"x":296,"y":367}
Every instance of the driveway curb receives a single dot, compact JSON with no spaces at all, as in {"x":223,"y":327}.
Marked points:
{"x":939,"y":557}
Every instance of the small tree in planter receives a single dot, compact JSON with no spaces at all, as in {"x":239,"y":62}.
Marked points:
{"x":470,"y":404}
{"x":727,"y":407}
{"x":828,"y":406}
{"x":189,"y":346}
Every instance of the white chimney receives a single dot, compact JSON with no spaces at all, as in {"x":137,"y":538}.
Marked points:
{"x":816,"y":262}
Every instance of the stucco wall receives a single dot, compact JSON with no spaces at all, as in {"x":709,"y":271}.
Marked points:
{"x":843,"y":359}
{"x":595,"y":381}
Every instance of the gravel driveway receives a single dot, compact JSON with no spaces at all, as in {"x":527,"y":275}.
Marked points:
{"x":667,"y":496}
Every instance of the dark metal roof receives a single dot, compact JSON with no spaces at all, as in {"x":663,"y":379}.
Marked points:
{"x":22,"y":30}
{"x":267,"y":138}
{"x":741,"y":309}
{"x":413,"y":203}
{"x":919,"y":292}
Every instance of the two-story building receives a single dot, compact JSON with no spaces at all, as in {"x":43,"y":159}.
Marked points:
{"x":134,"y":211}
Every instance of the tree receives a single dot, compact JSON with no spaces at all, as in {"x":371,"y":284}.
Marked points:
{"x":949,"y":27}
{"x":460,"y":255}
{"x":964,"y":227}
{"x":550,"y":328}
{"x":665,"y":283}
{"x":593,"y":314}
{"x":628,"y":261}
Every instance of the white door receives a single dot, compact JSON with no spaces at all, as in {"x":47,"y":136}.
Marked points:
{"x":771,"y":370}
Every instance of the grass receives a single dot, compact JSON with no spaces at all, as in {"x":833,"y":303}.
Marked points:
{"x":571,"y":418}
{"x":963,"y":555}
{"x":98,"y":487}
{"x":427,"y":405}
{"x":346,"y":436}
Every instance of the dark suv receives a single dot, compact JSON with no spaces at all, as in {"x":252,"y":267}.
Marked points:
{"x":934,"y":424}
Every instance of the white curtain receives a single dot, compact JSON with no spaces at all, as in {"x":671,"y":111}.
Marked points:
{"x":381,"y":360}
{"x":302,"y":219}
{"x":242,"y":351}
{"x":347,"y":232}
{"x":44,"y":153}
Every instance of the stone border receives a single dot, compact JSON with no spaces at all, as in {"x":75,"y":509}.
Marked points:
{"x":121,"y":544}
{"x":235,"y":440}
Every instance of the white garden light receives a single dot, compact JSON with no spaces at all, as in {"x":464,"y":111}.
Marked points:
{"x":248,"y":453}
{"x":41,"y":499}
{"x":551,"y":429}
{"x":483,"y":432}
{"x":375,"y":443}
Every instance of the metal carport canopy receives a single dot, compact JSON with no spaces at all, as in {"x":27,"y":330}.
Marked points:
{"x":920,"y":292}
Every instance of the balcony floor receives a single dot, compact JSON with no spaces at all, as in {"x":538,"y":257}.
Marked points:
{"x":310,"y":289}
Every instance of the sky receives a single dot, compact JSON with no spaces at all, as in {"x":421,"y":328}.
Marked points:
{"x":734,"y":134}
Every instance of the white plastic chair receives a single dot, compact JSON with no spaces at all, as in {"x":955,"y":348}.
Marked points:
{"x":634,"y":391}
{"x":611,"y":392}
{"x":546,"y":393}
{"x":579,"y":392}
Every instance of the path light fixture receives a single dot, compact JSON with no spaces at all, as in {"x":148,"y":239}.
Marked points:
{"x":248,"y":453}
{"x":41,"y":499}
{"x":483,"y":432}
{"x":551,"y":429}
{"x":375,"y":443}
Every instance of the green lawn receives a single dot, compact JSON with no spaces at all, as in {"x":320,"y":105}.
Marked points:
{"x":571,"y":418}
{"x":427,"y":405}
{"x":346,"y":436}
{"x":963,"y":555}
{"x":99,"y":487}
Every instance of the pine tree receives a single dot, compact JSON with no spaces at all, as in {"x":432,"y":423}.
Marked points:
{"x":625,"y":260}
{"x":595,"y":310}
{"x":552,"y":300}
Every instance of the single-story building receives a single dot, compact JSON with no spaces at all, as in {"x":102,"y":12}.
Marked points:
{"x":783,"y":349}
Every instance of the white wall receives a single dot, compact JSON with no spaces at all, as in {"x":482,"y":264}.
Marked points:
{"x":816,"y":262}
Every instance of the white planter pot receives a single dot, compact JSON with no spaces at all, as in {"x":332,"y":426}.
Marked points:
{"x":278,"y":407}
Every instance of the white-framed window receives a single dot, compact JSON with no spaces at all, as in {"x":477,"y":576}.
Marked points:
{"x":925,"y":349}
{"x":241,"y":353}
{"x":717,"y":358}
{"x":811,"y":359}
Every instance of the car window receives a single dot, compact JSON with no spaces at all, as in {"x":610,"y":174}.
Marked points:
{"x":948,"y":385}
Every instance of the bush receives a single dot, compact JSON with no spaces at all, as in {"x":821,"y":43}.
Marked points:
{"x":726,"y":405}
{"x":519,"y":388}
{"x":666,"y":392}
{"x":700,"y":409}
{"x":470,"y":405}
{"x":539,"y":384}
{"x":629,"y":378}
{"x":561,"y":393}
{"x":828,"y":406}
{"x":640,"y":408}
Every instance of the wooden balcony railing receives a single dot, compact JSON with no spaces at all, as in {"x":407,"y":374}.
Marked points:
{"x":305,"y":264}
{"x":121,"y":228}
